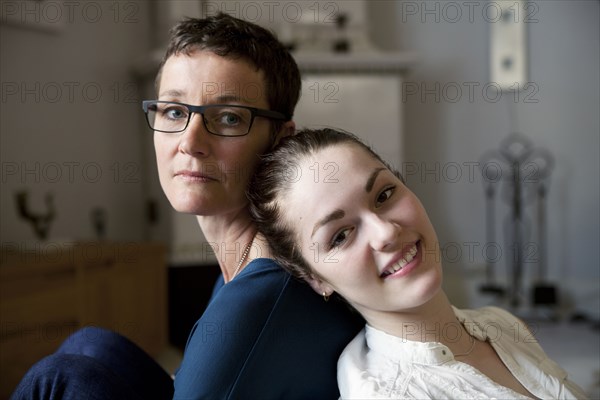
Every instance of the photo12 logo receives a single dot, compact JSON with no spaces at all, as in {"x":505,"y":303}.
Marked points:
{"x":470,"y":92}
{"x":68,"y":92}
{"x":274,"y":11}
{"x":71,"y":172}
{"x":472,"y":11}
{"x":53,"y":14}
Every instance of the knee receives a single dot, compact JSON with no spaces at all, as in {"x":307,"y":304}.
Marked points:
{"x":90,"y":334}
{"x":60,"y":376}
{"x":90,"y":340}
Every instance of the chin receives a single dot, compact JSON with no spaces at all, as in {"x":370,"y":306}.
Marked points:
{"x":187,"y":201}
{"x":184,"y":209}
{"x":431,"y":288}
{"x":186,"y":204}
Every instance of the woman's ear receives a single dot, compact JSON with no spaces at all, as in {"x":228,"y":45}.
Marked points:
{"x":287,"y":129}
{"x":321,"y":287}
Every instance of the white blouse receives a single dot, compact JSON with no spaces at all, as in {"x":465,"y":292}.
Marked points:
{"x":376,"y":365}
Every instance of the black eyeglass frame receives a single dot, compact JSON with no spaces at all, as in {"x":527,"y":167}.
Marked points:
{"x":254,"y":112}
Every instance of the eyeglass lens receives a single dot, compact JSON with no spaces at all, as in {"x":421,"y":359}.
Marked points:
{"x":219,"y":120}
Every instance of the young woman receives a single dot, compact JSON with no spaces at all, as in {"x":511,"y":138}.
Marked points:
{"x":337,"y":216}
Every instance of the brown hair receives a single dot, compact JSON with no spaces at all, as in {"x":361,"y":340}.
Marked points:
{"x":274,"y":177}
{"x":230,"y":37}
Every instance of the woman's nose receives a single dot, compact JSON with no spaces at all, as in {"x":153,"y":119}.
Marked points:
{"x":383,"y":233}
{"x":194,"y":139}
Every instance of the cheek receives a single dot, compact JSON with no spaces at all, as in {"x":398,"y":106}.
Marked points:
{"x":343,"y":268}
{"x":423,"y":220}
{"x":164,"y":157}
{"x":242,"y":158}
{"x":163,"y":144}
{"x":410,"y":212}
{"x":246,"y":165}
{"x":160,"y":150}
{"x":314,"y":256}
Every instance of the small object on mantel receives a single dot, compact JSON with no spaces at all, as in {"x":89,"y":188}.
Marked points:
{"x":341,"y":44}
{"x":98,"y":216}
{"x":40,"y":221}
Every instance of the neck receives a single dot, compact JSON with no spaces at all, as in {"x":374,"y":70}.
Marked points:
{"x":229,"y":236}
{"x":434,"y":321}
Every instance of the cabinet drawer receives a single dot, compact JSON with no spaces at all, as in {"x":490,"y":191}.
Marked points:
{"x":37,"y":313}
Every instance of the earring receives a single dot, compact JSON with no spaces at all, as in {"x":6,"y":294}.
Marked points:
{"x":325,"y":296}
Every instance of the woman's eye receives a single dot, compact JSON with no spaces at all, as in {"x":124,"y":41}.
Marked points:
{"x":384,"y":195}
{"x":229,"y":119}
{"x":339,"y":238}
{"x":175,"y":113}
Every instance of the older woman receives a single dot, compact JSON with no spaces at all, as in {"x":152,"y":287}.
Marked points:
{"x":226,"y":94}
{"x":263,"y":334}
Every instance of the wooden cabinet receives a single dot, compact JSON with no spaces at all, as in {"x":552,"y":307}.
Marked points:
{"x":48,"y":292}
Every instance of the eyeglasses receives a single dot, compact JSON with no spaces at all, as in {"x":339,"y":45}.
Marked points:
{"x":218,"y":119}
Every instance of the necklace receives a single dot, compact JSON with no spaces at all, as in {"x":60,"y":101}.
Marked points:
{"x":243,"y":259}
{"x":468,"y":351}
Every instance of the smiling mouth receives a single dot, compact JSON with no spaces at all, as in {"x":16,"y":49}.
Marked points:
{"x":400,"y":264}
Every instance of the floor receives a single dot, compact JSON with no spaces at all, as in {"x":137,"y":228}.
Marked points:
{"x":575,"y":346}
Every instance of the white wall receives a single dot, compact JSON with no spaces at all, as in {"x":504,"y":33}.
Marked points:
{"x":70,"y":116}
{"x":450,"y":130}
{"x":104,"y":135}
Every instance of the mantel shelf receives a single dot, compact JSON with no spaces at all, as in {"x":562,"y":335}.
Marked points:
{"x":359,"y":62}
{"x":365,"y":62}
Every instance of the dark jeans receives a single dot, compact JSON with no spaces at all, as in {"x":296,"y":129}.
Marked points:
{"x":95,"y":363}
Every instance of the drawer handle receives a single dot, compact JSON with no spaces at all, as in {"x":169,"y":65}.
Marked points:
{"x":107,"y":263}
{"x":59,"y":273}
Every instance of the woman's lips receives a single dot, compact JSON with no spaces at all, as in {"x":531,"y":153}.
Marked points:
{"x":405,"y":264}
{"x":193,"y":176}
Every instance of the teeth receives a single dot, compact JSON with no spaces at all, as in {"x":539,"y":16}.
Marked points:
{"x":408,"y":257}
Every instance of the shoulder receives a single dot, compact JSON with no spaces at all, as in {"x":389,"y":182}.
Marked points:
{"x":352,"y":367}
{"x":483,"y":314}
{"x":261,"y":328}
{"x":490,"y":321}
{"x":243,"y":305}
{"x":364,"y":372}
{"x":256,"y":282}
{"x":503,"y":330}
{"x":260,"y":271}
{"x":355,"y":352}
{"x":517,"y":345}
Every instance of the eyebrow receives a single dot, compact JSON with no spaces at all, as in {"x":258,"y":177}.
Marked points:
{"x":223,"y":99}
{"x":371,"y":180}
{"x":172,"y":92}
{"x":337,"y":214}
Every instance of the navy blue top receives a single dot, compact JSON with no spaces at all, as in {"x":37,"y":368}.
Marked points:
{"x":266,"y":335}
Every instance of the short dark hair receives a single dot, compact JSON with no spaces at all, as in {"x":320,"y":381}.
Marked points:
{"x":230,"y":37}
{"x":273,"y":178}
